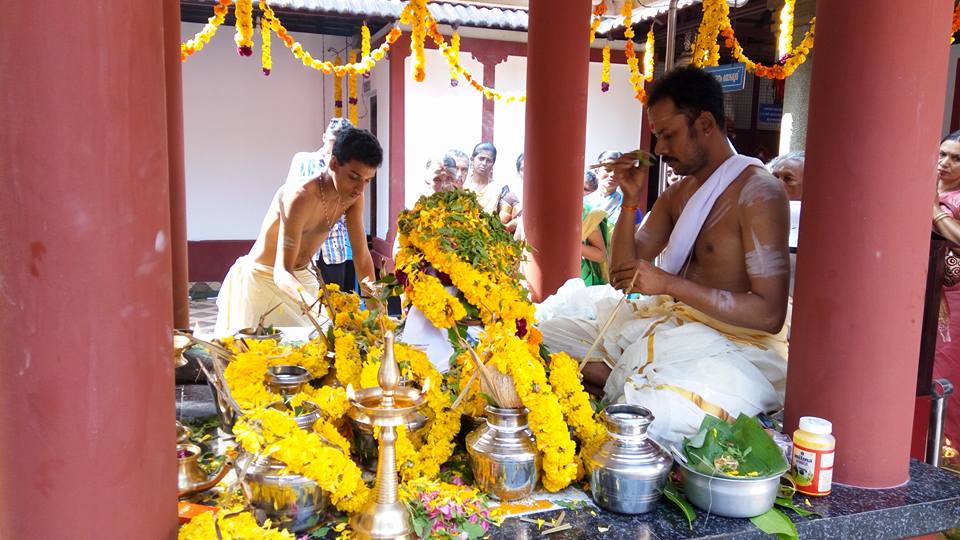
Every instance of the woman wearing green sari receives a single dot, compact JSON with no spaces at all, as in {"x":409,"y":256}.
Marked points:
{"x":593,"y":249}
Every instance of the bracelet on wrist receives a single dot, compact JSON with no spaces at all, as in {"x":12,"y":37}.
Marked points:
{"x":940,"y":217}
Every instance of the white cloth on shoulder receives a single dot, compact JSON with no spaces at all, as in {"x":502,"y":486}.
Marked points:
{"x":688,"y":226}
{"x":249,"y":291}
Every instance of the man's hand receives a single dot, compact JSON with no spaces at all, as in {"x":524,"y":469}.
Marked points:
{"x":650,"y":280}
{"x":631,"y":178}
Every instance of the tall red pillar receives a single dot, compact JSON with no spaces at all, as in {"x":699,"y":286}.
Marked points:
{"x":876,"y":106}
{"x":86,"y":377}
{"x":558,"y":57}
{"x":178,"y":189}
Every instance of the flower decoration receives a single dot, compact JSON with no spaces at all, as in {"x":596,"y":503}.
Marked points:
{"x":417,"y":16}
{"x":448,"y":511}
{"x":242,"y":526}
{"x":207,"y":32}
{"x":337,"y":90}
{"x":596,"y":18}
{"x":955,"y":26}
{"x":454,"y":53}
{"x":244,"y":34}
{"x":605,"y":70}
{"x":365,"y":45}
{"x":266,"y":62}
{"x":352,"y":90}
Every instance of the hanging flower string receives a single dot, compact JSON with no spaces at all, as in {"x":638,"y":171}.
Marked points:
{"x":785,"y":39}
{"x":266,"y":62}
{"x":352,"y":90}
{"x":706,"y":50}
{"x":365,"y":45}
{"x":453,"y":52}
{"x":244,"y":35}
{"x":337,"y":91}
{"x":605,"y":69}
{"x":417,"y":15}
{"x":363,"y":65}
{"x":598,"y":11}
{"x":789,"y":62}
{"x":203,"y":36}
{"x":637,"y":78}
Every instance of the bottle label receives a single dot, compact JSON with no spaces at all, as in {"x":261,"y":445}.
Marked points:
{"x":812,"y":470}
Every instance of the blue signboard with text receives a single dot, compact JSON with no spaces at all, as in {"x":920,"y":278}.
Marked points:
{"x":770,"y":113}
{"x":730,"y":76}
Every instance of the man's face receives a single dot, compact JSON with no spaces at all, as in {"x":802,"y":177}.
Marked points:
{"x":682,"y":146}
{"x":463,"y":166}
{"x":438,"y":179}
{"x":790,"y":172}
{"x":351,"y":178}
{"x":483,"y":163}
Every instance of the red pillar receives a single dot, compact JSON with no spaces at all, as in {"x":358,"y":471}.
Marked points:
{"x":86,"y":377}
{"x":399,"y":51}
{"x":872,"y":145}
{"x":557,"y":69}
{"x":489,"y":59}
{"x":178,"y":190}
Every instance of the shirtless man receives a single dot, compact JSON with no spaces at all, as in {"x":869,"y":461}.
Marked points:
{"x":297,"y":223}
{"x":738,"y":270}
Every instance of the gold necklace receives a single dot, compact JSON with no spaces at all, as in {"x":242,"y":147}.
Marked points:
{"x":329,"y":218}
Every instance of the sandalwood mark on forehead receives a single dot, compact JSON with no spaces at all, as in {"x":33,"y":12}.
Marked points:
{"x":766,"y":261}
{"x":756,"y":192}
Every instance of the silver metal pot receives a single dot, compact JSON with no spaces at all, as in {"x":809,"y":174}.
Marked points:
{"x":308,"y":415}
{"x":289,"y":501}
{"x":505,"y":461}
{"x":729,"y":497}
{"x":286,"y":380}
{"x":628,"y":470}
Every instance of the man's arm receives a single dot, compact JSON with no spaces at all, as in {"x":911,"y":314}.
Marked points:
{"x":362,"y":260}
{"x":293,"y":208}
{"x":765,"y":230}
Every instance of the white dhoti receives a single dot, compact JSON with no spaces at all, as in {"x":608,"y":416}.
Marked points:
{"x":679,"y":363}
{"x":248,"y":292}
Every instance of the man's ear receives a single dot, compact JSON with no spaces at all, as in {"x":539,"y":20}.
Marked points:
{"x":706,"y":122}
{"x":334,"y":163}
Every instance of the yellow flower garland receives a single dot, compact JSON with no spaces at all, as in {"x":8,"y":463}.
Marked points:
{"x":266,"y":62}
{"x":347,"y":359}
{"x":706,"y":50}
{"x":574,"y":401}
{"x":352,"y":90}
{"x":244,"y":34}
{"x":598,"y":11}
{"x":274,"y":433}
{"x":337,"y":90}
{"x":363,"y":65}
{"x":364,"y":40}
{"x":241,"y":526}
{"x":245,"y":373}
{"x":785,"y":38}
{"x":453,"y":52}
{"x":605,"y":69}
{"x":416,"y":14}
{"x":206,"y":33}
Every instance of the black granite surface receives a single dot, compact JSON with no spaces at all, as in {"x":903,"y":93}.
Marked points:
{"x":930,"y":502}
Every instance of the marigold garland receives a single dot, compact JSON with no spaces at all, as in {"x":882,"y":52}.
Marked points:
{"x":364,"y":40}
{"x":206,"y":33}
{"x":337,"y":91}
{"x":596,"y":18}
{"x":605,"y":69}
{"x":352,"y":91}
{"x":453,"y":52}
{"x":416,"y":15}
{"x":706,"y":50}
{"x":244,"y":34}
{"x":266,"y":62}
{"x":785,"y":38}
{"x":574,"y":401}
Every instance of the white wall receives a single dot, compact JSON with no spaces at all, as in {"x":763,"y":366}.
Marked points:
{"x":439,"y":117}
{"x":241,"y":128}
{"x":509,"y":120}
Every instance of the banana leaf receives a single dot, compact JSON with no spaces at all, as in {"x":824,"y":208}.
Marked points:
{"x":740,"y":450}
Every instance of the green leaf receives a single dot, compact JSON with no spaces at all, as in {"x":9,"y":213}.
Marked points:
{"x":489,"y":399}
{"x":319,"y":533}
{"x":673,"y":494}
{"x":473,"y":530}
{"x":788,"y":503}
{"x":421,"y":526}
{"x":776,"y":522}
{"x":744,"y":446}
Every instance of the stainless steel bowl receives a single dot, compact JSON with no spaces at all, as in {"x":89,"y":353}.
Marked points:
{"x":286,"y":380}
{"x":729,"y":497}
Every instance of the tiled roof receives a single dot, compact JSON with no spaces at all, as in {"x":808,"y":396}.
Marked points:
{"x":649,"y":10}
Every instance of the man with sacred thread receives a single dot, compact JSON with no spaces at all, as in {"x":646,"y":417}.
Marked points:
{"x":708,"y":335}
{"x":297,"y":223}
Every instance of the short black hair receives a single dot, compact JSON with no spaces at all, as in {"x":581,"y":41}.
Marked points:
{"x":458,"y":155}
{"x":357,"y":144}
{"x":485,"y":147}
{"x":693,"y":91}
{"x":519,"y":162}
{"x":954,"y":136}
{"x":590,"y":180}
{"x":446,"y":161}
